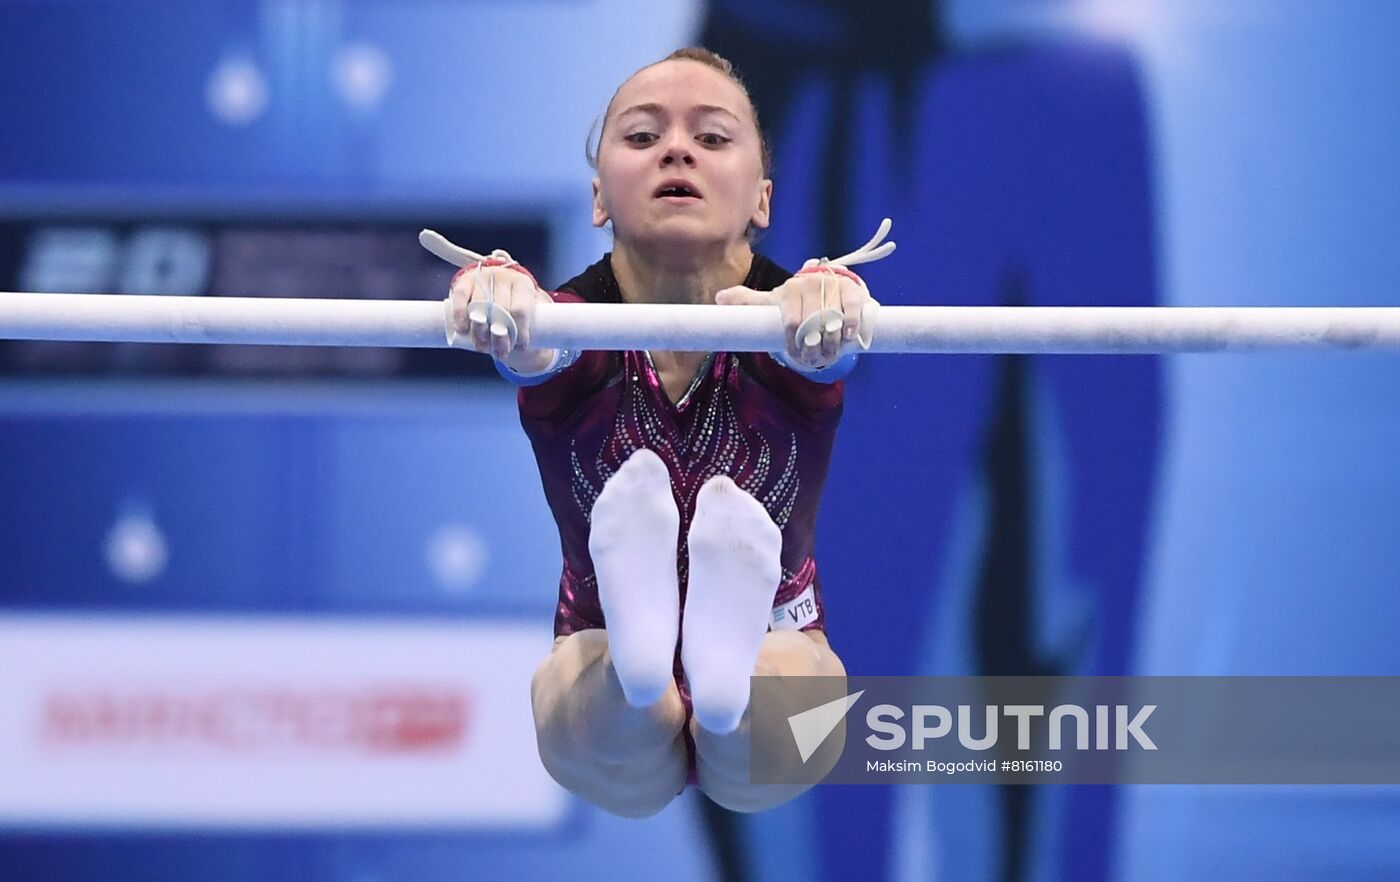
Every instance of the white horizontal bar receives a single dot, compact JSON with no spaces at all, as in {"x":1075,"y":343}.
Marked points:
{"x":929,"y":329}
{"x":139,"y":318}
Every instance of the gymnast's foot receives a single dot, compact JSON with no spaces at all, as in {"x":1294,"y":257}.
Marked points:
{"x":632,"y":540}
{"x":735,"y":568}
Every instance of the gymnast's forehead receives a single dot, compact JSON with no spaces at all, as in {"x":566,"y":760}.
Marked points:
{"x":681,"y":85}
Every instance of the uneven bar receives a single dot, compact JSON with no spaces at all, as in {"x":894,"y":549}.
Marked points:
{"x":135,"y":318}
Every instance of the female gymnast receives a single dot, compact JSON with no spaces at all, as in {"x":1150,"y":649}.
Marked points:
{"x":685,"y":484}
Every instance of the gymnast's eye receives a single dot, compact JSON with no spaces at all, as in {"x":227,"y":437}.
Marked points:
{"x":640,"y":138}
{"x":712,"y":139}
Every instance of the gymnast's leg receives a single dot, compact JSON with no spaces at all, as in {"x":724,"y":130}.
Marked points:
{"x":734,"y":574}
{"x":722,"y":761}
{"x":626,"y":760}
{"x":608,"y":715}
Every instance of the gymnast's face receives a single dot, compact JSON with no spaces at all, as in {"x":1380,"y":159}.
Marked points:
{"x":679,"y":161}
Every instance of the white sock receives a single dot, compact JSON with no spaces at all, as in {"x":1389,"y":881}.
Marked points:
{"x":735,"y":568}
{"x":632,"y":540}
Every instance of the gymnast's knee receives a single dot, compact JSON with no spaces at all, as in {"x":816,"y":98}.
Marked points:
{"x":581,"y":714}
{"x":638,"y":791}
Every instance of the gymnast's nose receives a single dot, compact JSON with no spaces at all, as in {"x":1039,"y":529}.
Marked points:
{"x":678,"y":151}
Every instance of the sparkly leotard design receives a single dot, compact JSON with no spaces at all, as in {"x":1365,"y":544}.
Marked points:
{"x":713,"y":445}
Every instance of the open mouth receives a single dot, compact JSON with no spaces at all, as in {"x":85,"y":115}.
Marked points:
{"x":677,"y":190}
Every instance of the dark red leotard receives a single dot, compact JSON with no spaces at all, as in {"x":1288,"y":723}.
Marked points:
{"x":764,"y":425}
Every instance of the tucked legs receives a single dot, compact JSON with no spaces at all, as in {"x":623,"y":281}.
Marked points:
{"x":627,"y":760}
{"x":722,"y":761}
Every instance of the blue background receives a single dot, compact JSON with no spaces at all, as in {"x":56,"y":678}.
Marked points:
{"x":1212,"y":514}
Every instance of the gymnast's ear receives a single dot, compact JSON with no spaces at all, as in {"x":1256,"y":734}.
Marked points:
{"x":763,"y":210}
{"x":600,"y":212}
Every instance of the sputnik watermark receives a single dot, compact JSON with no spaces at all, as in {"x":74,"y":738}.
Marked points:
{"x":889,"y":734}
{"x":810,"y":728}
{"x":1075,"y":729}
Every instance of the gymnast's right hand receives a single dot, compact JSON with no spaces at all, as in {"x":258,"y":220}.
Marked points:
{"x":492,"y":310}
{"x":491,"y":304}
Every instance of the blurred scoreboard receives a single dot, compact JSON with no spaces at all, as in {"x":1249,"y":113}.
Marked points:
{"x":321,"y":257}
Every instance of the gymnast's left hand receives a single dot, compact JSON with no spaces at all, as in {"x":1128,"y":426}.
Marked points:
{"x":805,"y":295}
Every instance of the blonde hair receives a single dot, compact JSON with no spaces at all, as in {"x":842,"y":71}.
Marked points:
{"x":711,"y":60}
